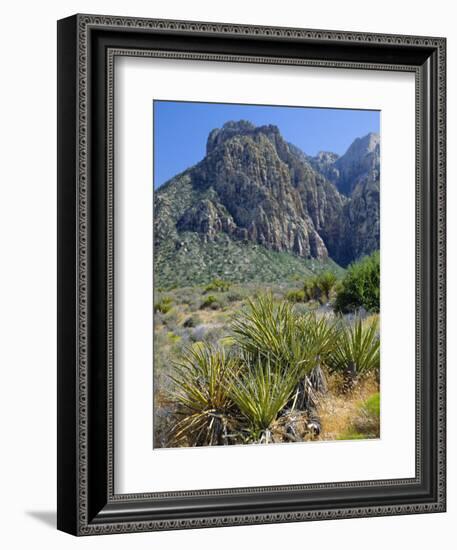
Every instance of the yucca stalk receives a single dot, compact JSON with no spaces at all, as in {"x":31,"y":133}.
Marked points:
{"x":261,"y":393}
{"x":201,"y":388}
{"x":357,"y":349}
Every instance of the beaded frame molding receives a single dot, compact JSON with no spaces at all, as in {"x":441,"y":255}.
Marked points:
{"x":87,"y":48}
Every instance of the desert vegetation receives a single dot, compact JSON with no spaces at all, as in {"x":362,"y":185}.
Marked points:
{"x":238,"y":363}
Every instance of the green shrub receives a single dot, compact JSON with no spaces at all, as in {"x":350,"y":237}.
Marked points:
{"x":234,"y":296}
{"x":360,"y":287}
{"x":366,"y":423}
{"x":296,"y":296}
{"x":191,"y":321}
{"x":174,"y":338}
{"x":372,"y":406}
{"x":218,"y":285}
{"x":164,"y":305}
{"x":210,"y":302}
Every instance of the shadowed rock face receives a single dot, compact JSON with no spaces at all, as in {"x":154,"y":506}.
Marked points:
{"x":254,"y":186}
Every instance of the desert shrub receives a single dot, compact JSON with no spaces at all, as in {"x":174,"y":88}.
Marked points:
{"x":234,"y":296}
{"x":174,"y":338}
{"x":202,"y":383}
{"x":192,"y":321}
{"x":296,"y":296}
{"x":210,"y":302}
{"x":170,"y":319}
{"x":208,"y":333}
{"x":372,"y":406}
{"x":189,"y":296}
{"x":360,"y":287}
{"x":164,"y":305}
{"x":218,"y":285}
{"x":366,"y":422}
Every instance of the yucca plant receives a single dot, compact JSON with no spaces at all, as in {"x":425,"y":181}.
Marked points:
{"x":201,"y":388}
{"x":357,"y":350}
{"x":311,"y":288}
{"x":318,"y":336}
{"x":326,"y":281}
{"x":269,"y":329}
{"x":261,"y":393}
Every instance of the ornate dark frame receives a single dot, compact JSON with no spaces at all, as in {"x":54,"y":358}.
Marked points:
{"x":87,"y":46}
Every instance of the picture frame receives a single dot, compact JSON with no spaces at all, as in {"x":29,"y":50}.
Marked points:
{"x":87,"y":500}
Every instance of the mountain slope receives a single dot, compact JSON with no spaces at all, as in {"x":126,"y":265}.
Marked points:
{"x":256,"y":207}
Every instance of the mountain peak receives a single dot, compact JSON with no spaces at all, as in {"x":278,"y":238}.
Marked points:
{"x":367,"y":143}
{"x":255,"y":189}
{"x":234,"y":128}
{"x":361,"y":157}
{"x":238,"y":125}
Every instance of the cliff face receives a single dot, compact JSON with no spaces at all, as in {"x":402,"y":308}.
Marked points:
{"x":254,"y":187}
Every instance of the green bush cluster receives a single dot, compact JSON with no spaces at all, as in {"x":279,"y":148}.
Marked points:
{"x":296,"y":296}
{"x":360,"y":287}
{"x":218,"y":285}
{"x":192,"y":321}
{"x":319,"y":288}
{"x":164,"y":305}
{"x":210,"y":302}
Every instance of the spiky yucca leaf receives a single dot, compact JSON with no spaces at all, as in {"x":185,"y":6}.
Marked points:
{"x":261,"y":393}
{"x":318,"y":335}
{"x":201,"y":386}
{"x":269,"y":329}
{"x":357,"y":348}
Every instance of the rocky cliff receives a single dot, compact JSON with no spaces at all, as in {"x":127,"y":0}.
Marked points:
{"x":255,"y":189}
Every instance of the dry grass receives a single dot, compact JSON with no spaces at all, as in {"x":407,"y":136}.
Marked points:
{"x":342,"y":415}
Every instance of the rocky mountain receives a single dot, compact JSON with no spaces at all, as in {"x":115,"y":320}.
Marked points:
{"x":255,"y":196}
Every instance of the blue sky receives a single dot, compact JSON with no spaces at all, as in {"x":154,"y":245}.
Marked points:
{"x":181,"y":129}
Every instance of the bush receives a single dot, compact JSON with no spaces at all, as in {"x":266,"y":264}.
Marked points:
{"x":360,"y":287}
{"x":218,"y":285}
{"x":234,"y":296}
{"x":210,"y":302}
{"x":164,"y":305}
{"x":296,"y":296}
{"x":366,"y":423}
{"x":192,"y":321}
{"x":372,"y":406}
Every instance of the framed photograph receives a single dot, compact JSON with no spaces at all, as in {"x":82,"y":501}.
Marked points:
{"x":251,"y":274}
